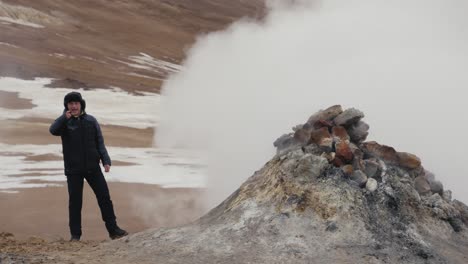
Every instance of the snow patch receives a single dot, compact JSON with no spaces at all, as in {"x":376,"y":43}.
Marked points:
{"x":20,"y":22}
{"x":110,"y":107}
{"x":168,"y":168}
{"x":8,"y":44}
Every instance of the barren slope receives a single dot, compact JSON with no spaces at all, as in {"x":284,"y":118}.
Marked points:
{"x":99,"y":43}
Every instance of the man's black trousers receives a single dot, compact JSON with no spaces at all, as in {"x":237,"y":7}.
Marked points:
{"x":75,"y":193}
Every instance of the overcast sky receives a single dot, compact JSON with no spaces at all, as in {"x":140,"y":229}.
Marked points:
{"x":403,"y":62}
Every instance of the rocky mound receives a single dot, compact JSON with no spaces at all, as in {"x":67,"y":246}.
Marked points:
{"x":326,"y":197}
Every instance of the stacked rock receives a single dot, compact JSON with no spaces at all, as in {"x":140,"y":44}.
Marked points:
{"x":340,"y":135}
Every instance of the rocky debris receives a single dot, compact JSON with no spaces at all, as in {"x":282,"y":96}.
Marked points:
{"x":340,"y":134}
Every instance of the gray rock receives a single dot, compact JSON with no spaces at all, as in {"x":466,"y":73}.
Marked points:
{"x":371,"y":168}
{"x":358,"y":132}
{"x":302,"y":136}
{"x":285,"y":144}
{"x":297,"y":127}
{"x":309,"y":167}
{"x":327,"y":114}
{"x":437,"y":187}
{"x":462,"y":209}
{"x":359,"y":177}
{"x":371,"y":185}
{"x":434,"y":200}
{"x":429,"y":175}
{"x":422,"y":186}
{"x":283,"y":140}
{"x":447,"y":195}
{"x":313,"y":149}
{"x":349,"y":117}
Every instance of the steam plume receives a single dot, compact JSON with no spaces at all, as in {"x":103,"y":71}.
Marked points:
{"x":402,"y":62}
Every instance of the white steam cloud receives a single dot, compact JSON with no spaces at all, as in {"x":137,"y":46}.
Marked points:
{"x":403,"y":62}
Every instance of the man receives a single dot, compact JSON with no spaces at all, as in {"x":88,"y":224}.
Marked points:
{"x":83,"y":148}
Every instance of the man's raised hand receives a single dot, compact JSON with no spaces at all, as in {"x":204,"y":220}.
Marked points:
{"x":68,"y":114}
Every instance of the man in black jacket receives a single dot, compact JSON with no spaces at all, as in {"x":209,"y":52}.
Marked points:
{"x":83,"y":149}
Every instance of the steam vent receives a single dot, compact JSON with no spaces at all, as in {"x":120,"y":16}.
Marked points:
{"x":327,"y":196}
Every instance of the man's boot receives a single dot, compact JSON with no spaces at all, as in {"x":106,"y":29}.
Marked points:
{"x":117,"y":233}
{"x":74,"y":238}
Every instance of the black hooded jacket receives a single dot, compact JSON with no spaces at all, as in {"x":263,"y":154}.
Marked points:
{"x":82,"y":142}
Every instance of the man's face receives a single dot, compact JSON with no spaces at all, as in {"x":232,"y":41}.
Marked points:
{"x":74,"y":108}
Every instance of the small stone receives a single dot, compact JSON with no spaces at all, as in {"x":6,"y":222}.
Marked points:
{"x":348,"y":117}
{"x":340,"y":134}
{"x":389,"y":191}
{"x":371,"y":168}
{"x":422,"y":185}
{"x":359,"y":177}
{"x":322,"y":138}
{"x":371,"y":185}
{"x":347,"y":170}
{"x":408,"y":160}
{"x":344,"y":152}
{"x":358,"y":132}
{"x":331,"y":226}
{"x":327,"y":114}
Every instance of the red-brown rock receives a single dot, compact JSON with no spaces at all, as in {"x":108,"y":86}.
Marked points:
{"x":347,"y":169}
{"x":337,"y":162}
{"x":322,"y":123}
{"x":322,"y":138}
{"x":408,"y":160}
{"x":343,"y":151}
{"x":340,"y":133}
{"x":386,"y":153}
